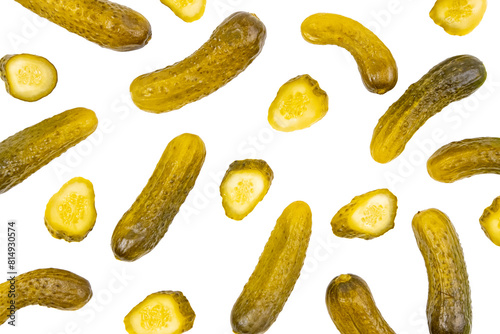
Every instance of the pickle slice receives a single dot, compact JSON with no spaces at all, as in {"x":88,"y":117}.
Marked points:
{"x":245,"y":184}
{"x":187,"y":10}
{"x":299,"y":104}
{"x":28,"y":77}
{"x":458,"y":17}
{"x":490,"y":221}
{"x":368,"y":216}
{"x":165,"y":312}
{"x":71,"y":213}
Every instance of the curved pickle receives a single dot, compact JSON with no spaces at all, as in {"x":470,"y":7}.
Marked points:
{"x":55,"y":288}
{"x":449,"y":81}
{"x":465,"y":158}
{"x":376,"y":64}
{"x":231,"y":48}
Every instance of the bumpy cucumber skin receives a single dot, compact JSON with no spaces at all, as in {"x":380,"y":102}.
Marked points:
{"x":465,"y":158}
{"x":55,"y":288}
{"x":274,"y":277}
{"x":182,"y":303}
{"x":449,"y":309}
{"x":248,"y":164}
{"x":376,"y":64}
{"x":352,"y":308}
{"x":143,"y":226}
{"x":32,"y":148}
{"x":340,"y":222}
{"x":3,"y":70}
{"x":103,"y":22}
{"x":230,"y":50}
{"x":449,"y":81}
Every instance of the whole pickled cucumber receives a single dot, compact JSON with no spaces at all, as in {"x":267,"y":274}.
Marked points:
{"x":376,"y":64}
{"x":465,"y":158}
{"x":32,"y":148}
{"x":103,"y":22}
{"x":55,"y":288}
{"x":146,"y":222}
{"x":274,"y":277}
{"x":352,"y":308}
{"x":449,"y":309}
{"x":230,"y":50}
{"x":449,"y":81}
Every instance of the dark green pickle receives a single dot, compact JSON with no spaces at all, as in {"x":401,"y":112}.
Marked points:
{"x":449,"y":81}
{"x":352,"y":308}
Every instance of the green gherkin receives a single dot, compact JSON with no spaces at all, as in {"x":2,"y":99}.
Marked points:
{"x":103,"y":22}
{"x":376,"y":64}
{"x":352,"y":308}
{"x":231,"y":48}
{"x":32,"y":148}
{"x":55,"y":288}
{"x":465,"y":158}
{"x":449,"y":81}
{"x":274,"y":277}
{"x":143,"y":226}
{"x":449,"y":309}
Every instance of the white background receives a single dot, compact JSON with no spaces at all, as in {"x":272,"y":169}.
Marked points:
{"x":206,"y":255}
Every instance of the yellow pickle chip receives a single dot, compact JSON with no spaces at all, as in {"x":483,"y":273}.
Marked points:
{"x":164,"y":312}
{"x":245,"y":184}
{"x":71,"y":213}
{"x":299,"y":104}
{"x":28,"y":77}
{"x":368,"y":216}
